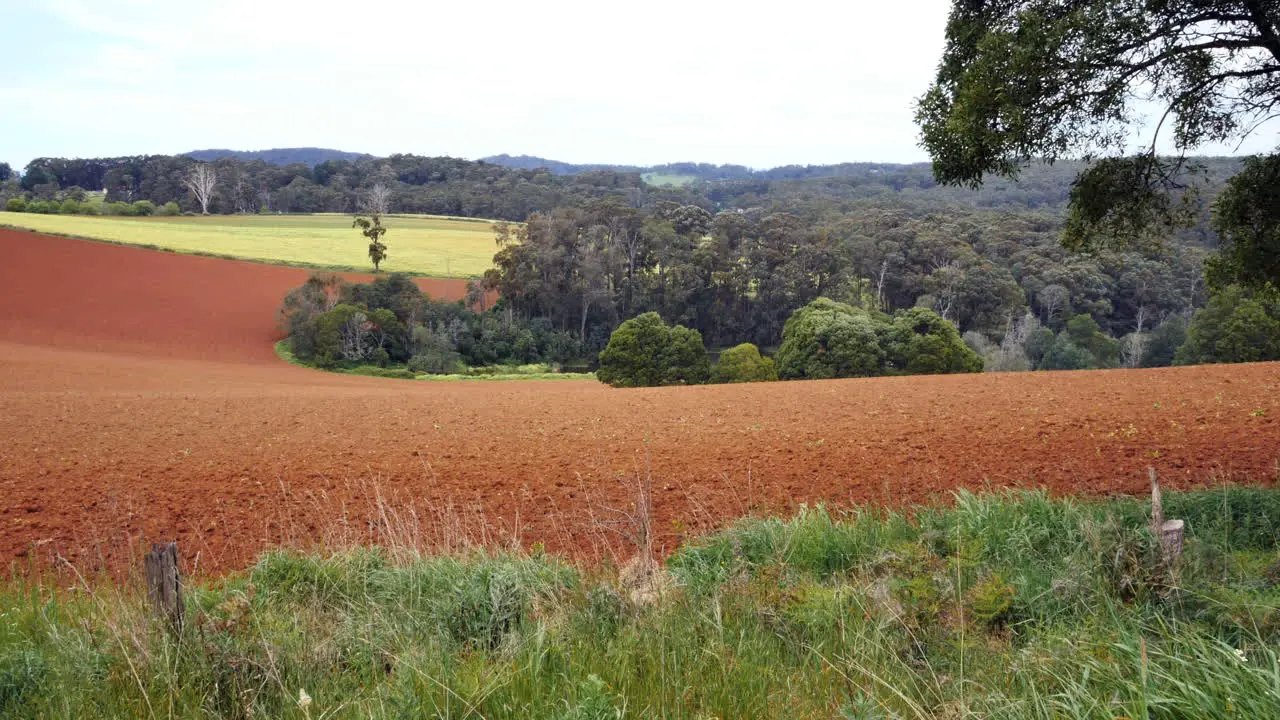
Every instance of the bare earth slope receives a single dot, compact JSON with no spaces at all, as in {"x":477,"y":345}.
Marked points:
{"x":140,"y":400}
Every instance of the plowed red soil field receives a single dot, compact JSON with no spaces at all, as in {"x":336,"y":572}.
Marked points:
{"x":140,"y":400}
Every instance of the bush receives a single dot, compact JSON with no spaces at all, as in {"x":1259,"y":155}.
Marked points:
{"x":69,"y":207}
{"x":144,"y":208}
{"x":1085,"y":334}
{"x":122,"y":209}
{"x":436,"y":360}
{"x":1037,"y":346}
{"x":89,"y":209}
{"x":924,"y":343}
{"x":16,"y":204}
{"x":1066,"y":355}
{"x":828,"y":339}
{"x":644,"y":352}
{"x":1234,"y":326}
{"x":743,"y":363}
{"x":1164,"y":342}
{"x":39,"y":206}
{"x":169,"y":209}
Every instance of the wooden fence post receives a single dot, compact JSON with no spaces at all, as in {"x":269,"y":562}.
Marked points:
{"x":1170,"y":532}
{"x":164,"y":585}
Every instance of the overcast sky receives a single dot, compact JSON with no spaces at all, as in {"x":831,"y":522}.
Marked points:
{"x":639,"y":83}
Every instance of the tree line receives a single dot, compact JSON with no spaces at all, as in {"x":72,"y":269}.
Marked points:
{"x":733,"y":259}
{"x":737,"y":276}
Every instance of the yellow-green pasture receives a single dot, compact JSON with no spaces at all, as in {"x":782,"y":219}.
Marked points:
{"x":660,"y":179}
{"x":422,"y":245}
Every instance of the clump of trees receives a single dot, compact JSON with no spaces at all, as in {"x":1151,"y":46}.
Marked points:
{"x":390,"y":322}
{"x":1237,"y":325}
{"x":824,"y":339}
{"x":829,"y":339}
{"x":645,"y":352}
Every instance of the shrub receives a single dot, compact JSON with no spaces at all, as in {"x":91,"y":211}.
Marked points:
{"x":39,"y":206}
{"x":144,"y":208}
{"x":1233,"y":327}
{"x":828,"y":339}
{"x":169,"y":209}
{"x":436,"y":360}
{"x":644,"y":352}
{"x":1037,"y":346}
{"x":69,"y":207}
{"x":16,"y":204}
{"x":1066,"y":355}
{"x":89,"y":209}
{"x":1084,"y":333}
{"x":1164,"y":342}
{"x":743,"y":363}
{"x":924,"y":343}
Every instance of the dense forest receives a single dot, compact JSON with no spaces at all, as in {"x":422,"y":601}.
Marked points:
{"x":309,"y":156}
{"x":734,"y":258}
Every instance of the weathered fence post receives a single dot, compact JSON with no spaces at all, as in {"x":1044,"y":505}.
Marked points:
{"x":164,"y":586}
{"x":1170,"y":532}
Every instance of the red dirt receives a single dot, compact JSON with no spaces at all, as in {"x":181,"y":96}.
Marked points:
{"x":140,"y":399}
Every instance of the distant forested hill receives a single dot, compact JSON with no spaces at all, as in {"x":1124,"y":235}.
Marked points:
{"x":532,"y":162}
{"x":308,"y":156}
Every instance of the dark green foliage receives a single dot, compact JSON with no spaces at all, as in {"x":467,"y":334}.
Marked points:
{"x":169,"y":209}
{"x":644,"y":352}
{"x":1048,"y":79}
{"x":39,"y":206}
{"x":1247,"y":218}
{"x":144,"y":208}
{"x":1082,"y":330}
{"x":1064,"y":354}
{"x":389,"y":322}
{"x":923,"y":343}
{"x":69,"y":207}
{"x":303,"y":305}
{"x":828,"y":339}
{"x":434,"y":354}
{"x":743,"y":363}
{"x":340,"y":336}
{"x":1038,"y":345}
{"x":1235,"y":326}
{"x":16,"y":204}
{"x":1165,"y":341}
{"x":371,"y":227}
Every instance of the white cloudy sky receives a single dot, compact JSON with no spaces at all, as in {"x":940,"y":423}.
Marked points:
{"x":761,"y":84}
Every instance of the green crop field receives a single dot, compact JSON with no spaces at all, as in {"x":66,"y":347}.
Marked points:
{"x":664,"y":179}
{"x":423,"y":245}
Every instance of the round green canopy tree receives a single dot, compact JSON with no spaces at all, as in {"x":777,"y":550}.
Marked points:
{"x":829,"y":339}
{"x":1233,"y":327}
{"x":644,"y":352}
{"x":924,"y":343}
{"x":743,"y":363}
